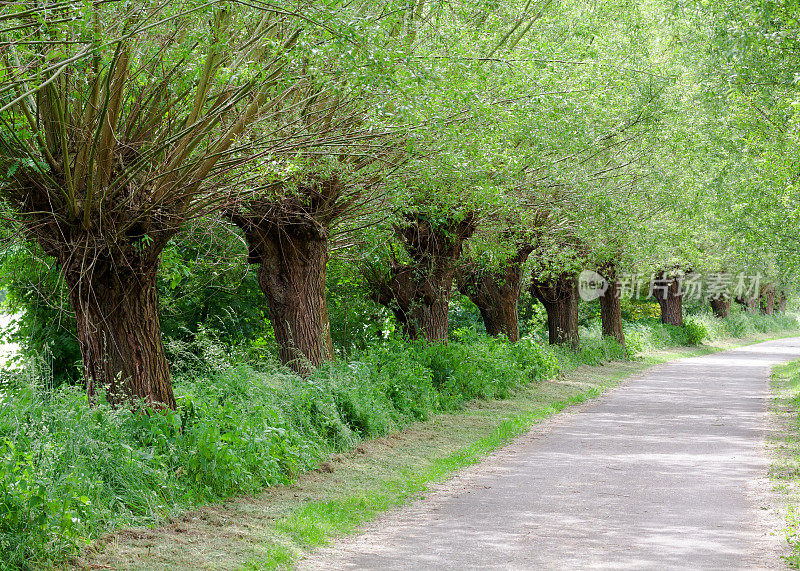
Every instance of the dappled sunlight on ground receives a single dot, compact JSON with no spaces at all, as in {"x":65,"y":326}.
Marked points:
{"x":654,"y":475}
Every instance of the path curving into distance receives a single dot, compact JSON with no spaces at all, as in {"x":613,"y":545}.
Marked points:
{"x":665,"y":472}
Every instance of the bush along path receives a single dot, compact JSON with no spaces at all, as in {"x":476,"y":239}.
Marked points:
{"x":657,"y":475}
{"x":350,"y":487}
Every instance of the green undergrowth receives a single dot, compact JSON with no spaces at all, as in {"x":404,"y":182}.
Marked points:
{"x":785,"y":470}
{"x":70,"y":473}
{"x":317,"y":522}
{"x":273,"y":529}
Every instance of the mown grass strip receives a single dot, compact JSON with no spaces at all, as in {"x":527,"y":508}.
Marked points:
{"x":317,"y":523}
{"x":274,"y":528}
{"x":785,"y":469}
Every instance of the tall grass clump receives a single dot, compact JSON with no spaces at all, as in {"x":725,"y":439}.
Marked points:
{"x":741,"y":324}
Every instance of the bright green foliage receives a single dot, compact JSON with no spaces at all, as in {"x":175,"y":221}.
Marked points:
{"x":72,"y":472}
{"x":647,"y":134}
{"x":785,"y":470}
{"x":695,"y":331}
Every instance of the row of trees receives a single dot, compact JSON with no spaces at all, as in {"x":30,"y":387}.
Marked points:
{"x":432,"y":146}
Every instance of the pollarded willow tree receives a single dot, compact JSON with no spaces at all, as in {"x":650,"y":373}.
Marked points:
{"x":417,"y":285}
{"x":578,"y":158}
{"x":727,"y":158}
{"x":360,"y":110}
{"x":290,"y":227}
{"x":120,"y":122}
{"x":494,"y":282}
{"x":532,"y":91}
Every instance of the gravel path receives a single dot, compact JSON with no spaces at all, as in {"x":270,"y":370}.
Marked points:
{"x":668,"y":471}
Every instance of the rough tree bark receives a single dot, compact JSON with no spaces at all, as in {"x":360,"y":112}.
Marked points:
{"x":395,"y":292}
{"x":118,"y":165}
{"x":496,"y":293}
{"x":291,"y":274}
{"x":721,"y":306}
{"x":112,"y":290}
{"x":667,"y":291}
{"x":418,"y":293}
{"x":560,"y":299}
{"x":611,"y":306}
{"x":119,"y":333}
{"x":767,"y":299}
{"x":288,"y":238}
{"x":113,"y":293}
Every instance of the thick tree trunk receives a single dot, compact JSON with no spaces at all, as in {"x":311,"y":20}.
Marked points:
{"x":611,"y":307}
{"x":420,"y":304}
{"x":119,"y":333}
{"x":496,"y":294}
{"x":502,"y":319}
{"x":291,"y":274}
{"x":721,"y":306}
{"x":419,"y":293}
{"x":432,"y":319}
{"x":395,"y":291}
{"x":288,"y":238}
{"x":667,"y":292}
{"x":560,"y":299}
{"x":767,"y":299}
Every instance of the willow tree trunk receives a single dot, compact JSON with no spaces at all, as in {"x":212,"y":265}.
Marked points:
{"x":670,"y":299}
{"x":418,"y":293}
{"x":501,"y":319}
{"x":289,"y":240}
{"x":611,"y":307}
{"x":291,"y":274}
{"x":496,"y":294}
{"x":420,"y":303}
{"x":119,"y":332}
{"x":720,"y":306}
{"x":432,"y":318}
{"x":395,"y":292}
{"x":560,"y":299}
{"x":767,"y":299}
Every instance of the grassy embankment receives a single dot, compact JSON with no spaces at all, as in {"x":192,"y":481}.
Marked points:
{"x":272,"y":528}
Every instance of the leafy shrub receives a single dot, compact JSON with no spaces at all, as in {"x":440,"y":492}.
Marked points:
{"x":407,"y":384}
{"x":463,"y":371}
{"x":51,"y":523}
{"x":742,"y":324}
{"x":694,"y":331}
{"x":599,"y":351}
{"x":738,"y":325}
{"x":70,"y":472}
{"x":538,"y":361}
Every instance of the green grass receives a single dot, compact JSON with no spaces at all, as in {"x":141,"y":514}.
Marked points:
{"x":70,"y":473}
{"x":368,"y":480}
{"x":273,"y":529}
{"x":785,"y":470}
{"x":317,"y":522}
